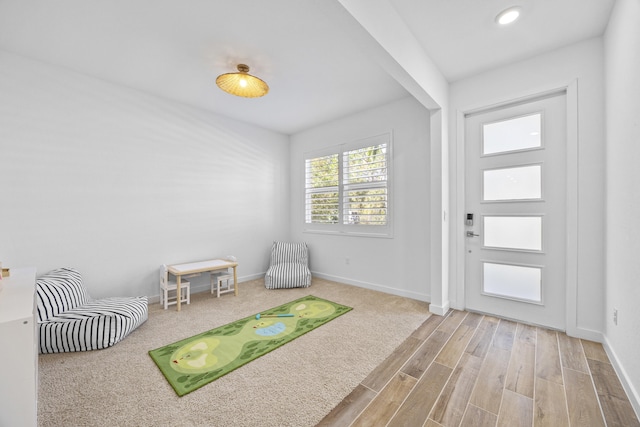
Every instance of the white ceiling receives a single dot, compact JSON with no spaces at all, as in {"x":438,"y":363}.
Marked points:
{"x":462,"y":38}
{"x":316,"y":70}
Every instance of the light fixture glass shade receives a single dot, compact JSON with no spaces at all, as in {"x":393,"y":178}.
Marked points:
{"x":242,"y":83}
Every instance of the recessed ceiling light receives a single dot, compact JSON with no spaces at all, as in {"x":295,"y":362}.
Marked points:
{"x":509,"y":15}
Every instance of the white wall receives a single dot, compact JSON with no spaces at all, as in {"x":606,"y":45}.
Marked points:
{"x":582,"y":62}
{"x":622,"y":54}
{"x":399,"y":265}
{"x":115,"y":182}
{"x":397,"y":50}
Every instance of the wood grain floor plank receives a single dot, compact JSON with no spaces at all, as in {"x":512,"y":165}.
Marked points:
{"x":526,"y":333}
{"x":454,"y":398}
{"x":452,"y":321}
{"x":520,"y":375}
{"x":487,"y":393}
{"x":481,"y":341}
{"x":571,"y":353}
{"x":422,"y":358}
{"x":416,"y":408}
{"x":478,"y":417}
{"x":383,"y":373}
{"x":616,"y":407}
{"x":505,"y":335}
{"x":550,"y":405}
{"x":472,"y":319}
{"x":582,"y":402}
{"x":595,"y":351}
{"x":386,"y":403}
{"x":451,"y":352}
{"x":548,"y":356}
{"x":431,"y":423}
{"x":349,"y":409}
{"x":428,"y":326}
{"x":516,"y":410}
{"x":521,"y":372}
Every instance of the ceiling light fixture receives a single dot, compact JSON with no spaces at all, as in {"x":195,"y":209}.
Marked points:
{"x":242,"y":83}
{"x":508,"y":16}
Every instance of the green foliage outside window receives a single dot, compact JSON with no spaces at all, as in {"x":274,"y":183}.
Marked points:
{"x":322,"y":189}
{"x":365,"y":200}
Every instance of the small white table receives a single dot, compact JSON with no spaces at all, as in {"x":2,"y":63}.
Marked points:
{"x":179,"y":270}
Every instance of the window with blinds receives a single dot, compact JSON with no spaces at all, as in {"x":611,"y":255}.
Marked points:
{"x":364,"y":197}
{"x":347,"y":188}
{"x":322,"y":190}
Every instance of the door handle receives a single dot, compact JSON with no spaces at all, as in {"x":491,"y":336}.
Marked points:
{"x":472,"y":234}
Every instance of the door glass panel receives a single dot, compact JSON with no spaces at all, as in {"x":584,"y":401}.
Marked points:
{"x":513,"y":232}
{"x":512,"y":281}
{"x":520,"y":133}
{"x":519,"y":183}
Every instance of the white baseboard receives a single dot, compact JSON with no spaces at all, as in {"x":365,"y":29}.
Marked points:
{"x":585,"y":334}
{"x":205,"y":287}
{"x":628,"y":386}
{"x":439,"y":310}
{"x":374,"y":287}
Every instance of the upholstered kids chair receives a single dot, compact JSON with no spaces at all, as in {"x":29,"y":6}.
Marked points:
{"x":69,"y":320}
{"x":289,"y":266}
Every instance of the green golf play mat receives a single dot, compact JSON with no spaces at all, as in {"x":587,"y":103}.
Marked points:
{"x":193,"y":362}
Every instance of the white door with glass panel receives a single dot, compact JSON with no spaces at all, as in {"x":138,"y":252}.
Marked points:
{"x":515,"y":196}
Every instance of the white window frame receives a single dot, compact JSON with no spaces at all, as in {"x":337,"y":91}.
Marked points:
{"x":339,"y":228}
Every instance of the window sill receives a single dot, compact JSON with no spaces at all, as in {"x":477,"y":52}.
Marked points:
{"x":387,"y":235}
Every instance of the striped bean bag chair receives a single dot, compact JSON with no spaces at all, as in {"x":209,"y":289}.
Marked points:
{"x":289,"y":266}
{"x":69,"y":320}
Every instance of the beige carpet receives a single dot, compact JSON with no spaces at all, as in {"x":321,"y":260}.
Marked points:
{"x":295,"y":385}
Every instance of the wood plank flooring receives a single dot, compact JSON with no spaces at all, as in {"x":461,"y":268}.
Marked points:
{"x":466,"y":369}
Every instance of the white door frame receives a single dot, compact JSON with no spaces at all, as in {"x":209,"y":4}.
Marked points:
{"x":572,"y":197}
